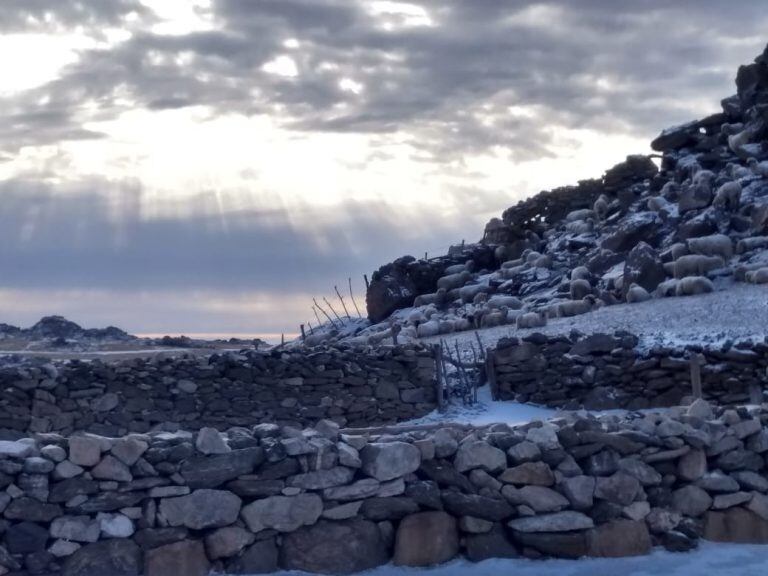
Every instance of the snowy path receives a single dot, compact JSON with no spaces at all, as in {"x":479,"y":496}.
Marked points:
{"x":739,"y":313}
{"x":710,"y":559}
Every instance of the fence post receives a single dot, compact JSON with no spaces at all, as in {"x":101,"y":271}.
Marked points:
{"x":490,"y":373}
{"x":697,"y":360}
{"x":437,"y":353}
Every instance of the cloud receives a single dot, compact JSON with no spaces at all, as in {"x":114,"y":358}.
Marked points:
{"x":52,"y":15}
{"x":452,"y":81}
{"x":99,"y":235}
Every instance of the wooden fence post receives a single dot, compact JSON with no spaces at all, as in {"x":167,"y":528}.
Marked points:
{"x":697,"y":360}
{"x":437,"y":352}
{"x":490,"y":373}
{"x":303,"y":334}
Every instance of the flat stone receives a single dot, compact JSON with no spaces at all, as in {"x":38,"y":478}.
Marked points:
{"x":365,"y":488}
{"x":15,"y":449}
{"x":387,"y":461}
{"x":558,"y":545}
{"x":321,"y":479}
{"x":343,"y":511}
{"x":394,"y":508}
{"x":105,"y":403}
{"x":185,"y":558}
{"x":63,"y":548}
{"x":494,"y":509}
{"x":282,"y":513}
{"x":474,"y":525}
{"x":342,"y":547}
{"x":213,"y":471}
{"x":67,"y":469}
{"x":557,"y":522}
{"x":113,"y":557}
{"x":203,"y":508}
{"x":425,"y":539}
{"x":529,"y":473}
{"x":538,"y":498}
{"x":724,"y":501}
{"x":76,"y":528}
{"x":32,"y":510}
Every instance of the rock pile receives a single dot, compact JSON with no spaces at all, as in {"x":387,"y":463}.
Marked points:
{"x":266,"y":497}
{"x":697,"y":224}
{"x":352,"y":387}
{"x":604,"y":371}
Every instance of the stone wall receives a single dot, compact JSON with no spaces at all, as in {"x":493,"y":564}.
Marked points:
{"x":609,"y":371}
{"x":351,"y":387}
{"x":257,"y":499}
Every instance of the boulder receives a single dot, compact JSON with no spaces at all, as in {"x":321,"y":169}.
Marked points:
{"x":113,"y":557}
{"x":334,"y":548}
{"x":491,"y":544}
{"x":185,"y":558}
{"x":202,"y":508}
{"x":259,"y":558}
{"x":387,"y":461}
{"x":282,"y":513}
{"x":425,"y":539}
{"x":735,"y":525}
{"x":227,"y":541}
{"x":643,"y":267}
{"x":691,"y":501}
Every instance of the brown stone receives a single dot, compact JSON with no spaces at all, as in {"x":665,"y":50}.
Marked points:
{"x":735,"y":525}
{"x":619,"y":538}
{"x":425,"y":539}
{"x":186,"y":557}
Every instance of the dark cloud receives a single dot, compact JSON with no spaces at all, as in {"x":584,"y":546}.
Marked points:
{"x":617,"y":67}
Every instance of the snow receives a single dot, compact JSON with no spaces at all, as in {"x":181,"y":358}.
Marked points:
{"x":737,"y":313}
{"x":710,"y":558}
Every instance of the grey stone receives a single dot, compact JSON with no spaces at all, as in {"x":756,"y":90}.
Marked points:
{"x":580,"y":491}
{"x":645,"y":474}
{"x":129,"y":450}
{"x":445,"y":443}
{"x":387,"y":461}
{"x":210,"y":441}
{"x":692,"y":466}
{"x":557,"y":522}
{"x":494,"y":509}
{"x":334,"y":548}
{"x":479,"y":454}
{"x":213,"y":471}
{"x":393,"y":508}
{"x":717,"y":482}
{"x":474,"y":525}
{"x":259,"y":558}
{"x":15,"y":449}
{"x":228,"y":541}
{"x":724,"y":501}
{"x":105,"y":403}
{"x":532,"y":473}
{"x":63,"y":548}
{"x":76,"y":528}
{"x":37,"y":465}
{"x":282,"y":513}
{"x":343,"y":511}
{"x":321,"y":479}
{"x":53,"y":453}
{"x":203,"y":508}
{"x":32,"y":510}
{"x":365,"y":488}
{"x":524,"y":452}
{"x":620,"y":488}
{"x":113,"y":557}
{"x":115,"y":525}
{"x":691,"y":501}
{"x":185,"y":558}
{"x":735,"y":525}
{"x":110,"y":468}
{"x":620,"y":538}
{"x":348,"y":456}
{"x":67,"y":469}
{"x":84,"y":450}
{"x":538,"y":498}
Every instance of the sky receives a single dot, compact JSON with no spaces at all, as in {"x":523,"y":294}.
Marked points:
{"x":210,"y":166}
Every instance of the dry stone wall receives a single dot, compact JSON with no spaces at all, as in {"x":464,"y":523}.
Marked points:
{"x":609,"y":371}
{"x":351,"y":387}
{"x":255,"y":500}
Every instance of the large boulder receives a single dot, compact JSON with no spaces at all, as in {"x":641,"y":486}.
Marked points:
{"x":735,"y":525}
{"x":620,"y":538}
{"x":283,"y":513}
{"x":203,"y":508}
{"x":390,"y":460}
{"x":425,"y":539}
{"x":185,"y":558}
{"x":121,"y":557}
{"x":644,"y":267}
{"x":643,"y":226}
{"x":334,"y":548}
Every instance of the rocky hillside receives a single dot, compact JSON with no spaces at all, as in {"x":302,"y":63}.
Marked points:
{"x":54,"y":328}
{"x":690,"y":220}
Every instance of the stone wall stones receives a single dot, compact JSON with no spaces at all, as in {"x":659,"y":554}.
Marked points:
{"x":351,"y":387}
{"x":604,"y":371}
{"x":287,"y":498}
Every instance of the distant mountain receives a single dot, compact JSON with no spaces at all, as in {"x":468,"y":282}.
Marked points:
{"x":58,"y":327}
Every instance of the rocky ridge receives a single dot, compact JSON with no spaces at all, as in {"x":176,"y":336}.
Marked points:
{"x":694,"y":223}
{"x":325,"y":500}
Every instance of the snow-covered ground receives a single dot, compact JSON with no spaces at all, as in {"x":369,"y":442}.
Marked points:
{"x":710,"y":560}
{"x":738,"y":313}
